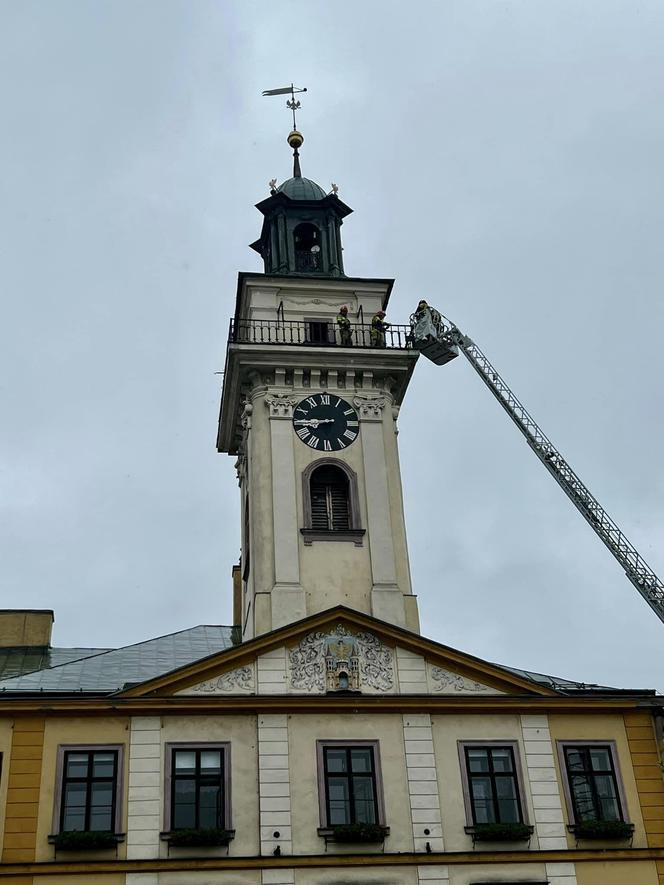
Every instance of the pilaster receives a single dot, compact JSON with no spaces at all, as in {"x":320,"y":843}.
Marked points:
{"x":288,"y":599}
{"x":386,"y":597}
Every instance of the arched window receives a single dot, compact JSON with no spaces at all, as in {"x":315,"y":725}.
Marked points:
{"x":331,"y":511}
{"x":307,"y":247}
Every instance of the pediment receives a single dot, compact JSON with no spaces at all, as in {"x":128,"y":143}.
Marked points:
{"x":339,"y":652}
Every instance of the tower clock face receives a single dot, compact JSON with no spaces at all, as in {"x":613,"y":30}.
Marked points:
{"x":325,"y":422}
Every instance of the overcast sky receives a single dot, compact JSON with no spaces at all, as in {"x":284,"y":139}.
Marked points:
{"x":504,"y":160}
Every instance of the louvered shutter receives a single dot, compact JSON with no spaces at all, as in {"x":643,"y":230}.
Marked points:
{"x":330,"y":510}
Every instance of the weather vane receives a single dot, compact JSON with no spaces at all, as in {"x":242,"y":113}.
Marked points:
{"x":292,"y":104}
{"x":295,"y":138}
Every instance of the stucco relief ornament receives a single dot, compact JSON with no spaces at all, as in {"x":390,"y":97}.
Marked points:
{"x":322,"y":655}
{"x":369,"y":406}
{"x":280,"y":405}
{"x":449,"y":682}
{"x":240,"y":680}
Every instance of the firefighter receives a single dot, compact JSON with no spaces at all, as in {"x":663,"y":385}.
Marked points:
{"x":345,"y":334}
{"x":378,"y":327}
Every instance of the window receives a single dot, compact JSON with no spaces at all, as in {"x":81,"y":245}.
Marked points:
{"x":307,"y":247}
{"x":594,"y":789}
{"x":349,"y":783}
{"x":490,"y":772}
{"x":331,"y":509}
{"x":87,"y":789}
{"x":197,"y":794}
{"x":319,"y":332}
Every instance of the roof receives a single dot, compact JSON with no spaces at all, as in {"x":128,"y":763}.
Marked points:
{"x":104,"y":671}
{"x":19,"y":660}
{"x":301,"y":189}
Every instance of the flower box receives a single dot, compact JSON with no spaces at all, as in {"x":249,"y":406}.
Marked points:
{"x":512,"y":832}
{"x":207,"y":837}
{"x":85,"y":840}
{"x":355,"y":833}
{"x":603,"y":829}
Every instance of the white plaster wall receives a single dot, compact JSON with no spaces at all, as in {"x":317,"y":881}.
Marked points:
{"x":412,"y":672}
{"x":274,"y":785}
{"x":145,"y":788}
{"x":545,"y":790}
{"x":447,"y":730}
{"x":241,"y":733}
{"x":433,"y":875}
{"x":523,"y":872}
{"x":304,"y":731}
{"x":271,"y":672}
{"x":422,"y":776}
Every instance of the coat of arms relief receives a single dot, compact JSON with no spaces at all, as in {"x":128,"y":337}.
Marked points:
{"x":339,"y":660}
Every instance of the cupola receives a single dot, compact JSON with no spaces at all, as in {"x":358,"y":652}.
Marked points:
{"x":301,"y":232}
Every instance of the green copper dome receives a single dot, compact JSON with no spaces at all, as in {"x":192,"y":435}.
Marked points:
{"x":302,"y":189}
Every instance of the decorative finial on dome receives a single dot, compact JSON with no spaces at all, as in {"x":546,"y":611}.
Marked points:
{"x":335,"y":188}
{"x":295,"y":138}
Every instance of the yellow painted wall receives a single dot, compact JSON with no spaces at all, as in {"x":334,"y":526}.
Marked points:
{"x":91,"y":730}
{"x":304,"y":731}
{"x":649,"y":777}
{"x":604,"y":727}
{"x":23,"y":791}
{"x":6,"y":730}
{"x":241,"y":732}
{"x":617,"y":873}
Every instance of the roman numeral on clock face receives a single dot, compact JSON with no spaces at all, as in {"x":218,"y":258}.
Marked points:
{"x":349,"y":434}
{"x":303,"y":432}
{"x":325,"y":399}
{"x":313,"y":442}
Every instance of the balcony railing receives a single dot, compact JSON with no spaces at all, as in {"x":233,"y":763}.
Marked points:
{"x":316,"y":334}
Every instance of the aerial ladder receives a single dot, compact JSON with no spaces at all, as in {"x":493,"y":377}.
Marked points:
{"x":440,"y":340}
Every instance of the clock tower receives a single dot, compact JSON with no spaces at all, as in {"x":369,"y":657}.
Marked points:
{"x":309,"y":409}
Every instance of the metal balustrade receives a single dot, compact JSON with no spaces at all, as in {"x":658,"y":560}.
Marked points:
{"x":315,"y":334}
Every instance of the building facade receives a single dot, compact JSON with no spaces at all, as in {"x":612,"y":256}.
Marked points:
{"x":321,"y":739}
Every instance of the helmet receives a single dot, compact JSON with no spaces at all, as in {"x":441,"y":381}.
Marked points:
{"x":343,"y":309}
{"x":381,"y":313}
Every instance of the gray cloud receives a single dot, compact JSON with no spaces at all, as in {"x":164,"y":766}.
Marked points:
{"x":503,"y":159}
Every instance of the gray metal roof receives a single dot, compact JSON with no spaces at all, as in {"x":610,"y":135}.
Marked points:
{"x":19,"y":660}
{"x":112,"y":670}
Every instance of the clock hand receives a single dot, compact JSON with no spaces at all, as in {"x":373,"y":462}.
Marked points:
{"x":313,"y":422}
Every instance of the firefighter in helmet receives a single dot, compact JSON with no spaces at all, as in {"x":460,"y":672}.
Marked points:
{"x":378,"y":327}
{"x":345,"y":333}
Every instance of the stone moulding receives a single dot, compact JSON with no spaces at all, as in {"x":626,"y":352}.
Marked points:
{"x":239,"y":681}
{"x":447,"y":682}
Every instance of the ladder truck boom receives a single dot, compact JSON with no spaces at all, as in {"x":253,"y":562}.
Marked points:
{"x":440,"y":340}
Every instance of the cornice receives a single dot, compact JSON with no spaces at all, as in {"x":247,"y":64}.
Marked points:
{"x":214,"y":705}
{"x":322,"y":861}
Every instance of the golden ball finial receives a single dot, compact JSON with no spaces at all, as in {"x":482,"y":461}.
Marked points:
{"x":295,"y":139}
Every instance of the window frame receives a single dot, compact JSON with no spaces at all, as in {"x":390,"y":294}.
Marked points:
{"x":169,"y":747}
{"x":564,"y":774}
{"x":518,"y":774}
{"x":58,"y":805}
{"x":321,"y":746}
{"x":355,"y":532}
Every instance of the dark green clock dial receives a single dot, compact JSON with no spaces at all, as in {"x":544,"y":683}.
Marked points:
{"x":325,"y":422}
